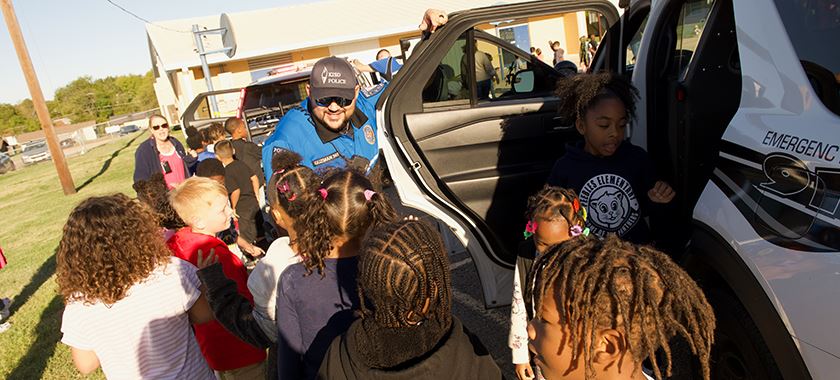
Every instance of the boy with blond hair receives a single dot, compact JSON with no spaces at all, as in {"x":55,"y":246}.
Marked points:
{"x":242,"y":186}
{"x":203,"y":205}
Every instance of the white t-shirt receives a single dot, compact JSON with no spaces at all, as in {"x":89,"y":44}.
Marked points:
{"x":147,"y":334}
{"x":262,"y":282}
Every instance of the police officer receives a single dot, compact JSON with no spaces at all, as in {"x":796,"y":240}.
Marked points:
{"x":333,"y":124}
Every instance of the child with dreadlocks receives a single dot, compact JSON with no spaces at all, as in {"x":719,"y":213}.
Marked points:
{"x":609,"y":173}
{"x":604,"y":306}
{"x":316,"y":298}
{"x":554,"y":215}
{"x":407,"y":330}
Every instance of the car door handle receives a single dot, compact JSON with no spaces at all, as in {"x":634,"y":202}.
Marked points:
{"x":559,"y":124}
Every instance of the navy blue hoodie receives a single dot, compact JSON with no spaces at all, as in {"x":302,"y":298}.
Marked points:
{"x":613,"y":189}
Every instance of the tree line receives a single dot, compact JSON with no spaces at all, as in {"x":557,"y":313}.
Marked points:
{"x":84,"y":99}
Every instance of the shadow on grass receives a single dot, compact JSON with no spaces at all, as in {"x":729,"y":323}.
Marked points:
{"x":33,"y":364}
{"x":46,"y":270}
{"x":107,"y":163}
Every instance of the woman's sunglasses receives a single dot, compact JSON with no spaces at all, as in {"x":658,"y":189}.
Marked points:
{"x":156,"y":127}
{"x":325,"y":102}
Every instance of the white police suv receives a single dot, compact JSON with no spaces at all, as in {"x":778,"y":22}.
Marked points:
{"x":740,"y":109}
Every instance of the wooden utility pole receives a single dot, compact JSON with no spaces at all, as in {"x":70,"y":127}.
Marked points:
{"x":37,"y":97}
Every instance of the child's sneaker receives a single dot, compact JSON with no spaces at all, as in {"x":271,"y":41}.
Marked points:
{"x":4,"y":310}
{"x":5,"y":326}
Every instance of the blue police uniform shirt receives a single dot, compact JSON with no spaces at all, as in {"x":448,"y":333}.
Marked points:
{"x":321,"y":148}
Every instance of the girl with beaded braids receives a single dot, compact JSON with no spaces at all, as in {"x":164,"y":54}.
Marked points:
{"x":615,"y":179}
{"x":602,"y":307}
{"x":407,"y":330}
{"x":554,"y":215}
{"x":316,"y":298}
{"x":256,"y":324}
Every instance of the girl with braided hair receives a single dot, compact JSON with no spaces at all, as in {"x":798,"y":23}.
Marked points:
{"x":316,"y":298}
{"x":611,"y":175}
{"x":602,"y":307}
{"x":256,"y":324}
{"x":554,"y":215}
{"x":407,"y":330}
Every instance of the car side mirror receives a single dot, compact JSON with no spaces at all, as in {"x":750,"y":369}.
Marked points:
{"x":523,"y":81}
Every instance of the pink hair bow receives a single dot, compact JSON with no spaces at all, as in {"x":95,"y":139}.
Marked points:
{"x":323,"y":193}
{"x":369,"y":194}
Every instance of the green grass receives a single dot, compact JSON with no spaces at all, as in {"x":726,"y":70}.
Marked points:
{"x":33,"y":210}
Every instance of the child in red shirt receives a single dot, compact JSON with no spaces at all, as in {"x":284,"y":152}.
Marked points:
{"x":203,"y":205}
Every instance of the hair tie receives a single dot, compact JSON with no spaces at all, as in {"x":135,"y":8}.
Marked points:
{"x":530,"y":229}
{"x":577,"y":230}
{"x":323,"y":193}
{"x":369,"y":194}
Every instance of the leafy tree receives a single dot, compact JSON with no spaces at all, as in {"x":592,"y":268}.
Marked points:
{"x":85,"y":99}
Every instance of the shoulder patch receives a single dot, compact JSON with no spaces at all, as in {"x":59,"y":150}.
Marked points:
{"x":370,"y":137}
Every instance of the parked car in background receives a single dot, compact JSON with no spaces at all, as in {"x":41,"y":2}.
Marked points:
{"x":34,"y":152}
{"x":128,"y":129}
{"x":6,"y":163}
{"x":66,"y":143}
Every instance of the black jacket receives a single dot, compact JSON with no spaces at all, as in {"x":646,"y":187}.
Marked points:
{"x":612,"y":189}
{"x":458,"y":355}
{"x":147,"y":159}
{"x":233,"y":311}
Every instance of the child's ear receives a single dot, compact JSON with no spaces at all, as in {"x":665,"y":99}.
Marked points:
{"x":579,"y":125}
{"x":611,"y":345}
{"x":198,"y":223}
{"x":278,"y":218}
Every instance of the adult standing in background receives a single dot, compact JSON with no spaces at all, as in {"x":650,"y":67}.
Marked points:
{"x":161,"y":153}
{"x":559,"y":53}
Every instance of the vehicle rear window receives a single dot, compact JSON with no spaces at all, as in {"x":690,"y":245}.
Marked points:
{"x":813,"y":27}
{"x":272,"y":96}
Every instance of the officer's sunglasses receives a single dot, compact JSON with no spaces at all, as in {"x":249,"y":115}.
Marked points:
{"x":164,"y":126}
{"x":325,"y":102}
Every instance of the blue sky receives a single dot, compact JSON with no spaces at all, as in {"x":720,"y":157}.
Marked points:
{"x":71,"y":38}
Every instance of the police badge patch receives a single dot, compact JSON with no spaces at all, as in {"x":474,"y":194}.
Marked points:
{"x":370,"y":137}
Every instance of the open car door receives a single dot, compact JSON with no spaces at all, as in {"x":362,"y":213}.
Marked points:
{"x":470,"y":127}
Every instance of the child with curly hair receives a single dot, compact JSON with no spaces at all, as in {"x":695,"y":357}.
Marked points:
{"x":554,"y":215}
{"x":153,"y":193}
{"x":129,"y":303}
{"x":602,"y":307}
{"x":407,"y":330}
{"x":316,"y":298}
{"x":615,"y":179}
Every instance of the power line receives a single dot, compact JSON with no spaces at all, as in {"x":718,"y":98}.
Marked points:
{"x":120,"y":7}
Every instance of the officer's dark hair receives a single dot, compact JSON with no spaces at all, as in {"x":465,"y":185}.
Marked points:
{"x":289,"y":183}
{"x":210,"y":167}
{"x":338,"y":208}
{"x":578,"y":93}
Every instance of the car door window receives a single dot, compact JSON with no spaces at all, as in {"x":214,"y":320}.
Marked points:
{"x":690,"y":26}
{"x":633,"y":47}
{"x":449,"y":84}
{"x":810,"y":25}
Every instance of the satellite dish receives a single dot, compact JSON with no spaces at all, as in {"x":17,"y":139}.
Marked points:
{"x":228,"y":39}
